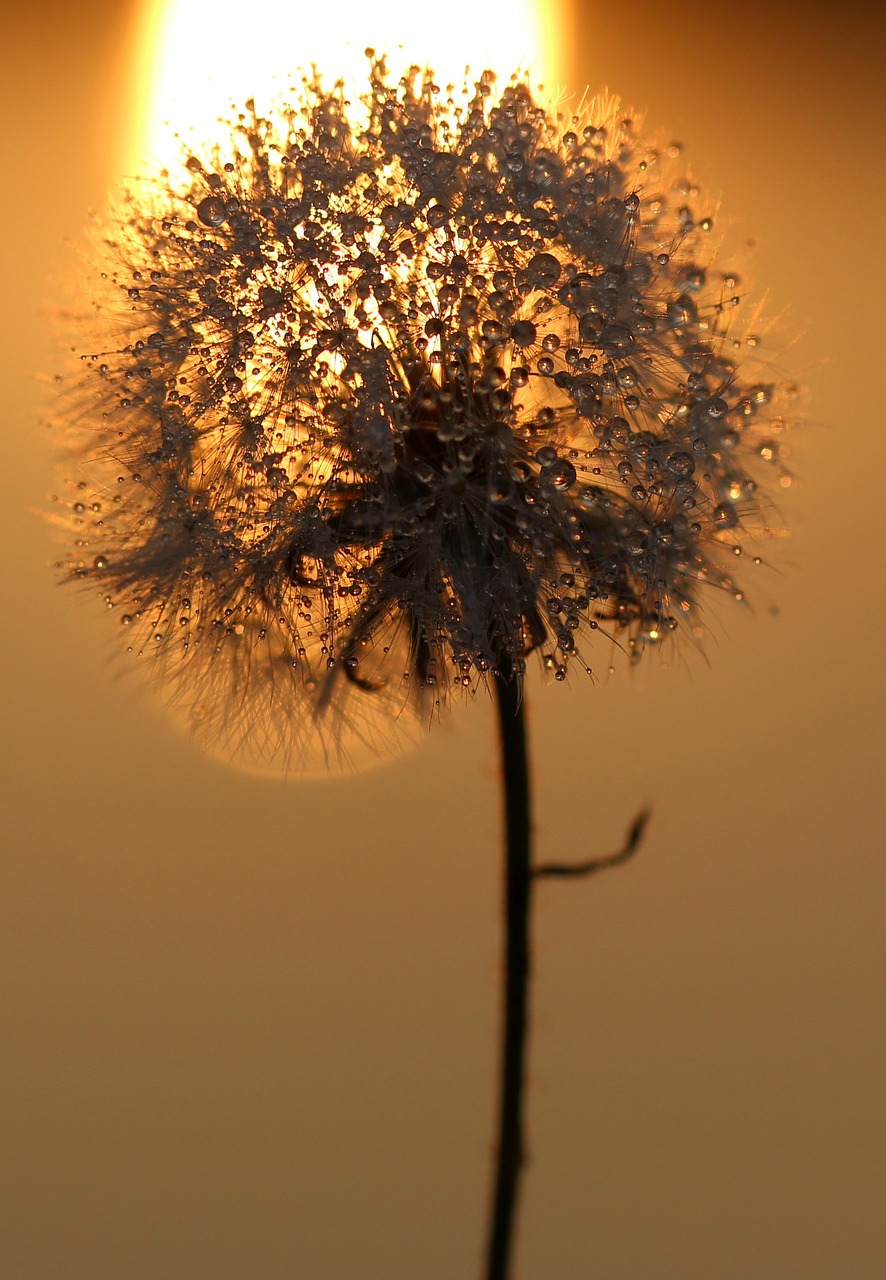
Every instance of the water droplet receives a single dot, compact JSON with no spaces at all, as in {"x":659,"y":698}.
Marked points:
{"x":725,"y":515}
{"x":589,"y":327}
{"x":500,"y":489}
{"x":211,"y":211}
{"x":616,"y":339}
{"x":590,"y":495}
{"x":681,"y":463}
{"x":560,"y":474}
{"x":544,"y":270}
{"x":681,"y":310}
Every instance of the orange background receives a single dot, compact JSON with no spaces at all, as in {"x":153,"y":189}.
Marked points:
{"x":249,"y":1027}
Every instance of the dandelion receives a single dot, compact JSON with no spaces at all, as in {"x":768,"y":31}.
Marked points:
{"x":386,"y":405}
{"x":395,"y":396}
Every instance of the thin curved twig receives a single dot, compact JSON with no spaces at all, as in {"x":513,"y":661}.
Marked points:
{"x":591,"y":865}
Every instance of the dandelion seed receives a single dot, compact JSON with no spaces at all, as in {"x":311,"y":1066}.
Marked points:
{"x":392,"y":396}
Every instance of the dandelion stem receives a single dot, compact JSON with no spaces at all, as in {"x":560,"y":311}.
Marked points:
{"x":518,"y":885}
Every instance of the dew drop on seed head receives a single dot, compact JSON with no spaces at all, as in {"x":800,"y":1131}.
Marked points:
{"x":616,"y":339}
{"x":590,"y":495}
{"x":211,"y":211}
{"x":589,"y":327}
{"x":560,"y":474}
{"x":500,"y":489}
{"x":681,"y":463}
{"x":725,"y":516}
{"x":543,"y":269}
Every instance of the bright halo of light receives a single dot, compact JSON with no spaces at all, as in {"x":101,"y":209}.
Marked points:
{"x":205,"y":55}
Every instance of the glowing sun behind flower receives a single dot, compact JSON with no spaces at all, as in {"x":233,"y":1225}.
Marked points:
{"x":203,"y":56}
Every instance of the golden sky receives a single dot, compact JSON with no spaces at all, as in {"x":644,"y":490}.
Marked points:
{"x":249,"y":1026}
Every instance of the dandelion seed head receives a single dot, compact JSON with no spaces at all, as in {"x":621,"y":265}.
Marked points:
{"x":393,"y":394}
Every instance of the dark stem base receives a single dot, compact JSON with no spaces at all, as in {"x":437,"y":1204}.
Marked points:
{"x":518,"y":890}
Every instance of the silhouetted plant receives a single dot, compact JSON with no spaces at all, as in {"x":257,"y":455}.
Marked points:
{"x":393,"y":395}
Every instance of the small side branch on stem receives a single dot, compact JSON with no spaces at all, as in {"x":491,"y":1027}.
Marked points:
{"x":590,"y":865}
{"x":519,"y":876}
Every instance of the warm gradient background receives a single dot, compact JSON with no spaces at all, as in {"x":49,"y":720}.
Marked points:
{"x":249,"y":1027}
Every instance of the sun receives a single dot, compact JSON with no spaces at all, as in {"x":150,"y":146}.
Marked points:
{"x":200,"y":57}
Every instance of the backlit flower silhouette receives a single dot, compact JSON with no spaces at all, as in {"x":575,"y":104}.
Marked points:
{"x":384,"y":398}
{"x":392,"y":395}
